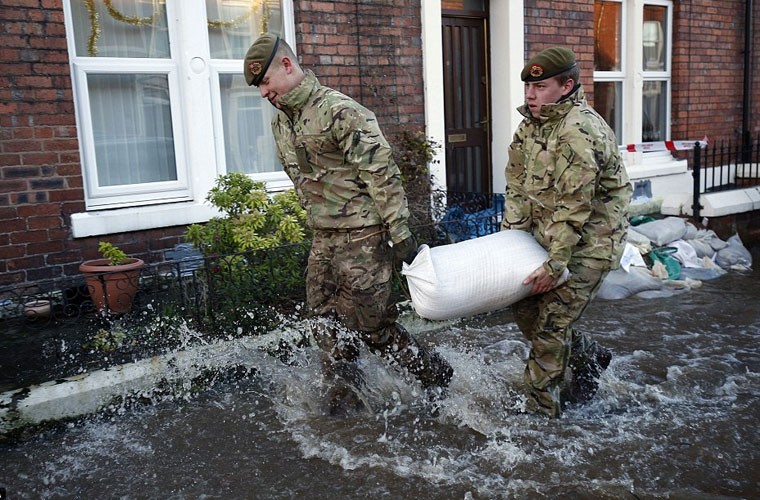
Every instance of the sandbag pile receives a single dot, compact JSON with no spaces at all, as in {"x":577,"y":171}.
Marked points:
{"x":671,"y":253}
{"x":473,"y":276}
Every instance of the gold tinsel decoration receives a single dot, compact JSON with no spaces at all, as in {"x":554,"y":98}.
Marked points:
{"x":95,"y":31}
{"x":134,"y":21}
{"x":92,"y":40}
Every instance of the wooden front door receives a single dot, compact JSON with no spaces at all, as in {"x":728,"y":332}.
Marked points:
{"x":466,"y":93}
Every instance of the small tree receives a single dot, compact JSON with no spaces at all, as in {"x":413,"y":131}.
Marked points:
{"x":253,"y":220}
{"x":256,"y":252}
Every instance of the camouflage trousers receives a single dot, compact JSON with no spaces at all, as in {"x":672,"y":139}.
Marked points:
{"x":547,"y":321}
{"x":349,"y":299}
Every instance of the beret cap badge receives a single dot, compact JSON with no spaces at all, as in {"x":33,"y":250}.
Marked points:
{"x":259,"y":56}
{"x":536,"y":71}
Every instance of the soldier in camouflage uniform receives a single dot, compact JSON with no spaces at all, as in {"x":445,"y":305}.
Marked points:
{"x":567,"y":185}
{"x":341,"y":166}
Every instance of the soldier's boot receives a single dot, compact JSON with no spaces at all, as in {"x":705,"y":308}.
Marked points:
{"x":435,"y":377}
{"x":346,"y":382}
{"x":586,"y":371}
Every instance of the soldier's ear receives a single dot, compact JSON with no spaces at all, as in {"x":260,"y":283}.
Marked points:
{"x":287,"y":63}
{"x":568,"y":87}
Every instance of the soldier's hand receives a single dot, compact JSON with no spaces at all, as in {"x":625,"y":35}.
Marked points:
{"x":541,"y":281}
{"x":405,"y":250}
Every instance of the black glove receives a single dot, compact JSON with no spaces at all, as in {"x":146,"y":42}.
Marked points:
{"x":405,"y":250}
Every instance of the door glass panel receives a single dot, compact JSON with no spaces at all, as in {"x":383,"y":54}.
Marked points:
{"x":654,"y":38}
{"x":248,"y":143}
{"x":132,"y":128}
{"x":608,"y":18}
{"x":654,"y":111}
{"x":608,"y":99}
{"x":120,"y":28}
{"x":464,"y":4}
{"x":234,"y":24}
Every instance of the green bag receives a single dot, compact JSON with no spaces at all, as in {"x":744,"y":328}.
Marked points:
{"x":665,"y":256}
{"x":641,"y":219}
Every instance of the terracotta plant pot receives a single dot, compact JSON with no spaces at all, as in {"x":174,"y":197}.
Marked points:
{"x":112,"y":288}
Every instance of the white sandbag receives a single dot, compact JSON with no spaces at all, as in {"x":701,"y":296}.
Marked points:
{"x":663,"y":231}
{"x":705,"y":242}
{"x":691,"y":231}
{"x":709,"y":270}
{"x":636,"y":238}
{"x":734,"y":256}
{"x":619,"y":284}
{"x":473,"y":276}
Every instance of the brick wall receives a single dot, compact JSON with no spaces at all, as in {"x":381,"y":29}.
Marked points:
{"x":708,"y":70}
{"x":550,"y":23}
{"x":367,"y":54}
{"x":40,"y":171}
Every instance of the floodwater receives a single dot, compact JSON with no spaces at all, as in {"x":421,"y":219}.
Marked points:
{"x":676,"y":417}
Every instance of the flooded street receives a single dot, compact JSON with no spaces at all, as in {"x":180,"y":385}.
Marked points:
{"x":676,"y":417}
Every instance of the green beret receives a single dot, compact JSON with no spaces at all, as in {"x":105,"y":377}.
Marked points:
{"x":548,"y":63}
{"x":258,"y":58}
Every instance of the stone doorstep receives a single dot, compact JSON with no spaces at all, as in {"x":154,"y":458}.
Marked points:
{"x":714,"y":204}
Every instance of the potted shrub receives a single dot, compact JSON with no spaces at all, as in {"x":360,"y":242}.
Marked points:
{"x":112,"y":281}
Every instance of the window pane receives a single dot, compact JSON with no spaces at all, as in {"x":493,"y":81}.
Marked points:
{"x":132,"y":127}
{"x":608,"y":102}
{"x":248,"y":143}
{"x":120,"y":28}
{"x":654,"y":37}
{"x":234,"y":24}
{"x":653,"y":122}
{"x":608,"y":17}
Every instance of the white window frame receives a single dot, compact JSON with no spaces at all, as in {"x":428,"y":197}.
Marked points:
{"x":631,"y":73}
{"x":196,"y":121}
{"x":657,"y":76}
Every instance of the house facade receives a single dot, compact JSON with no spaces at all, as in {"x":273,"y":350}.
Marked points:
{"x":116,"y":116}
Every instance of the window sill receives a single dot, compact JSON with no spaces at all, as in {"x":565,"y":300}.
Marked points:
{"x":642,"y":166}
{"x":121,"y":220}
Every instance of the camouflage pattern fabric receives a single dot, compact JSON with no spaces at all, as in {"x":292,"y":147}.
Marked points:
{"x":547,"y":321}
{"x":339,"y":161}
{"x":567,"y":185}
{"x":348,"y":290}
{"x":343,"y":171}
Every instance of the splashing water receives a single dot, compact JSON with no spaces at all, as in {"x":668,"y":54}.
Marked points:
{"x":675,"y":417}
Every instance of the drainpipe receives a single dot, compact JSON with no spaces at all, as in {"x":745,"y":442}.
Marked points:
{"x":746,"y":133}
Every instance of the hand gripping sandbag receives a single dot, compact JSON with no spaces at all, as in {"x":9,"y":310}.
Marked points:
{"x":473,"y":276}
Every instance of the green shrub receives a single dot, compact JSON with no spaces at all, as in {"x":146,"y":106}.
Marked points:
{"x":252,"y":219}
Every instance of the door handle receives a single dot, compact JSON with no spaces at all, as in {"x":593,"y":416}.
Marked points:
{"x":484,"y":123}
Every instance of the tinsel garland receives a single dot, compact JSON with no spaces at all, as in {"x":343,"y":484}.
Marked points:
{"x":95,"y":31}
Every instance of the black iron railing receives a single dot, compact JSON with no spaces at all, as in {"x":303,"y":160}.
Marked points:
{"x":723,"y":167}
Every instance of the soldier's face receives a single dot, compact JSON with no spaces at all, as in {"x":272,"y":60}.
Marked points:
{"x":546,"y":91}
{"x":278,"y":81}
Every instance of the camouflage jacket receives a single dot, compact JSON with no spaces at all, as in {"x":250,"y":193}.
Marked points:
{"x":566,"y":183}
{"x":341,"y":165}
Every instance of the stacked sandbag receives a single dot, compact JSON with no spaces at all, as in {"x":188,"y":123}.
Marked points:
{"x":674,"y":251}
